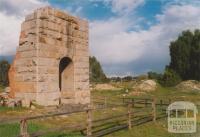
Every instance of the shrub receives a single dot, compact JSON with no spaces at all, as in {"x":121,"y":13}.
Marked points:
{"x":170,"y":78}
{"x":154,"y":75}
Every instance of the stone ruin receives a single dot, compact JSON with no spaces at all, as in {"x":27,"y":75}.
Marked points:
{"x":51,"y":65}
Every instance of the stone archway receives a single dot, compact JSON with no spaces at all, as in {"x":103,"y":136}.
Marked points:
{"x":66,"y":75}
{"x":37,"y":74}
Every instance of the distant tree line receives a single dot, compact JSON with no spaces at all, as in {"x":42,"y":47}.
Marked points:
{"x":185,"y":60}
{"x":129,"y":78}
{"x":120,"y":79}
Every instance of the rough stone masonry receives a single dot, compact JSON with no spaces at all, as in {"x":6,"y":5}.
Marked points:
{"x":51,"y":65}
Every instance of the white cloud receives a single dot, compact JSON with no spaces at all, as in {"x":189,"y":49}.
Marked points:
{"x":78,"y":10}
{"x":121,"y":7}
{"x":74,"y":11}
{"x":111,"y":41}
{"x":20,"y":7}
{"x":105,"y":40}
{"x":9,"y":32}
{"x":12,"y":13}
{"x":113,"y":44}
{"x":124,"y":6}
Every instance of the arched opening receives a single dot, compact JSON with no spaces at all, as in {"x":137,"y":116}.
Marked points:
{"x":66,"y":75}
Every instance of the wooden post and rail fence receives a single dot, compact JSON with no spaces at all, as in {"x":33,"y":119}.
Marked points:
{"x":132,"y":118}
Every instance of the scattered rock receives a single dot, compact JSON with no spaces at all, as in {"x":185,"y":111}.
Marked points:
{"x":10,"y":104}
{"x":4,"y":95}
{"x":124,"y":95}
{"x":114,"y":109}
{"x":13,"y":102}
{"x":63,"y":116}
{"x":33,"y":107}
{"x":146,"y":85}
{"x":7,"y":90}
{"x":189,"y":85}
{"x":18,"y":102}
{"x":5,"y":100}
{"x":26,"y":103}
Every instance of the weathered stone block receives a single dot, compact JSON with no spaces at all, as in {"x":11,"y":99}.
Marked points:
{"x":28,"y":54}
{"x":30,"y":17}
{"x":27,"y":25}
{"x":26,"y":69}
{"x":19,"y":78}
{"x":25,"y":86}
{"x":30,"y":39}
{"x":26,"y":62}
{"x":26,"y":47}
{"x":48,"y":98}
{"x":82,"y":97}
{"x":29,"y":77}
{"x":84,"y":65}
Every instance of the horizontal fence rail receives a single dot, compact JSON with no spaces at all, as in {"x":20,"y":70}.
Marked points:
{"x":137,"y":111}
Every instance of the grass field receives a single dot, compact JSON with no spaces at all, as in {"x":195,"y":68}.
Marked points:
{"x":11,"y":130}
{"x":151,"y":129}
{"x":160,"y":93}
{"x":158,"y":129}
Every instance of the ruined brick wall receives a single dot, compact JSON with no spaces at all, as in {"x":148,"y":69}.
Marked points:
{"x":47,"y":37}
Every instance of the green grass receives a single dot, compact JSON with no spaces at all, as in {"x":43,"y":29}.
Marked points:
{"x":159,"y":93}
{"x":12,"y":130}
{"x":151,"y":129}
{"x":174,"y":93}
{"x":9,"y":109}
{"x":9,"y":130}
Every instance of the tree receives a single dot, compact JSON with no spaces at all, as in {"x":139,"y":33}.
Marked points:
{"x":170,"y":78}
{"x":4,"y":68}
{"x":127,"y":78}
{"x":195,"y":57}
{"x":185,"y":55}
{"x":154,"y":75}
{"x":96,"y":72}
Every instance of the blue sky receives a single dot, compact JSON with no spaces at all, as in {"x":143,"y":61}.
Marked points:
{"x":128,"y":37}
{"x":102,"y":9}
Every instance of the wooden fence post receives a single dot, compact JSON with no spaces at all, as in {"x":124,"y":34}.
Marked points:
{"x":146,"y":102}
{"x":23,"y":128}
{"x":154,"y":109}
{"x":133,"y":102}
{"x":129,"y":116}
{"x":105,"y":102}
{"x":161,"y":102}
{"x":89,"y":121}
{"x":170,"y":101}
